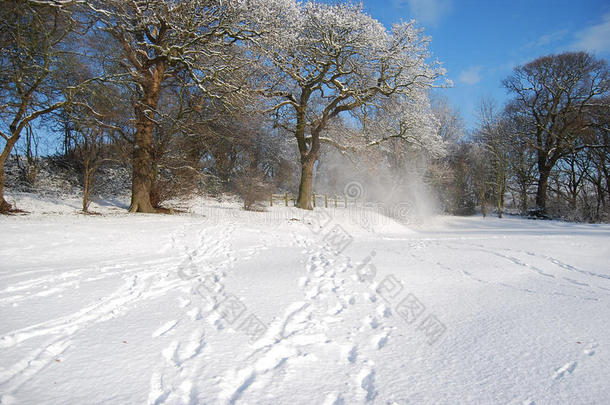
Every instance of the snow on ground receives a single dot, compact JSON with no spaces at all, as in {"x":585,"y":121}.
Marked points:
{"x":338,"y":306}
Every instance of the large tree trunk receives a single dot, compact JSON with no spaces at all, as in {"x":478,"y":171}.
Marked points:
{"x":306,"y":184}
{"x":543,"y":182}
{"x":143,"y":172}
{"x":5,"y":206}
{"x":141,"y":184}
{"x":309,"y":156}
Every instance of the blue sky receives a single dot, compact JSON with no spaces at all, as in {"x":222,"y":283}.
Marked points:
{"x":480,"y":42}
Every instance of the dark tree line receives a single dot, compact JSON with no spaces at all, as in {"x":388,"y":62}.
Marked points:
{"x":547,"y":149}
{"x":177,"y":71}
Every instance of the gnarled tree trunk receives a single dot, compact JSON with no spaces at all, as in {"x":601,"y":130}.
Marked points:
{"x":143,"y":171}
{"x":4,"y":205}
{"x":141,"y":185}
{"x":306,"y":183}
{"x":309,"y":150}
{"x":543,"y":182}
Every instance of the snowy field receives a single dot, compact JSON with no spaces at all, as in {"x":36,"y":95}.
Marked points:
{"x":221,"y":306}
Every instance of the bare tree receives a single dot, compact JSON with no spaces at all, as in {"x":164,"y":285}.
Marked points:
{"x":451,"y":127}
{"x":324,"y":60}
{"x":188,"y":42}
{"x":31,"y":37}
{"x":552,"y":93}
{"x":445,"y":173}
{"x":480,"y":171}
{"x":493,"y":135}
{"x":461,"y":189}
{"x":93,"y":121}
{"x":599,"y":156}
{"x":521,"y":156}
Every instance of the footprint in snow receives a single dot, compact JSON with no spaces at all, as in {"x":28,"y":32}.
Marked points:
{"x":370,"y":297}
{"x":334,"y":399}
{"x":170,"y":353}
{"x":352,"y":355}
{"x":590,"y":350}
{"x":193,"y":346}
{"x":157,"y":394}
{"x":371,"y":321}
{"x":379,"y":341}
{"x":303,"y":281}
{"x":236,"y":382}
{"x":566,"y":368}
{"x":335,"y":309}
{"x":195,"y":314}
{"x":383,"y":310}
{"x":366,"y":378}
{"x":182,"y":303}
{"x":166,"y":327}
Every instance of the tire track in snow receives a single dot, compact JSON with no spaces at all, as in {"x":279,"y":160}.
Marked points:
{"x":550,"y":259}
{"x":39,"y":287}
{"x":137,"y":287}
{"x":568,"y":267}
{"x":22,"y":371}
{"x":549,"y":277}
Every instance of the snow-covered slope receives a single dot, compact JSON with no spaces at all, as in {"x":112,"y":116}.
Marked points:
{"x":291,"y":307}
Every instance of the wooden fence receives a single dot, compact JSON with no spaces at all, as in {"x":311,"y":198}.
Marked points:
{"x":321,"y":200}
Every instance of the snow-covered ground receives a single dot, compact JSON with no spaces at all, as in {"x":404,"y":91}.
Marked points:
{"x":292,"y":307}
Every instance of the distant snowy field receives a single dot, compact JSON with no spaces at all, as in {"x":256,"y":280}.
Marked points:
{"x":222,"y":306}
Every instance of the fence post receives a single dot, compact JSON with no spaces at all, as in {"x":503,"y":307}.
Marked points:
{"x":271,"y":200}
{"x":325,"y":201}
{"x":314,"y":200}
{"x":286,"y":198}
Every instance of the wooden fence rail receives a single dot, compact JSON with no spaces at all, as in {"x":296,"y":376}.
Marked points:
{"x":316,"y":199}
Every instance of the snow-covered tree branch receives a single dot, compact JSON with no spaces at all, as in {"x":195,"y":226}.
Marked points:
{"x":324,"y":60}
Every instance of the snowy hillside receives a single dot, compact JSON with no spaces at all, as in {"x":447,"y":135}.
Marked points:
{"x":222,"y":306}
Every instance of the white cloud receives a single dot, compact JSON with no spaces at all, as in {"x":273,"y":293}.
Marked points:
{"x":427,"y":11}
{"x":595,"y":38}
{"x":472,"y":75}
{"x":548,"y":39}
